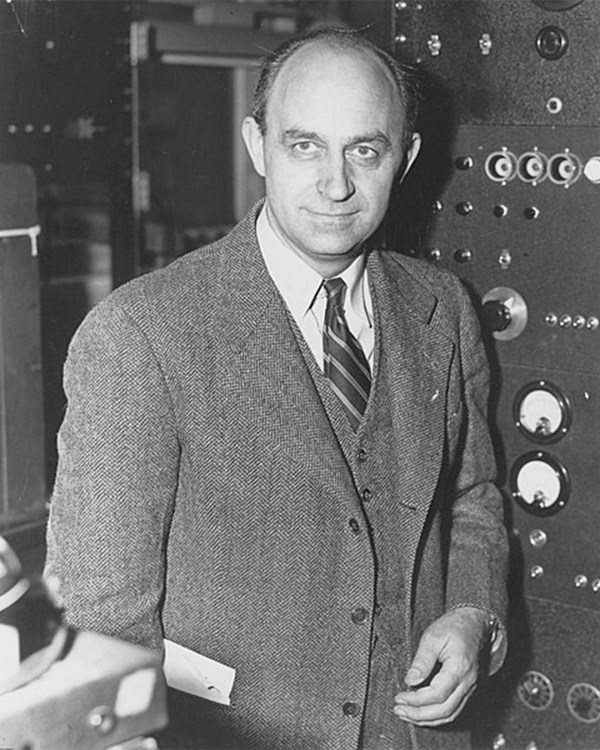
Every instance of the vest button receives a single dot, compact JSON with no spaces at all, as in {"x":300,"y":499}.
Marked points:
{"x":366,"y":495}
{"x":362,"y":455}
{"x":350,"y":708}
{"x":354,"y":525}
{"x":359,"y":615}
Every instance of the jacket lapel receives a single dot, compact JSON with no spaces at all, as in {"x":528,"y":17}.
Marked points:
{"x":412,"y":369}
{"x":261,"y":347}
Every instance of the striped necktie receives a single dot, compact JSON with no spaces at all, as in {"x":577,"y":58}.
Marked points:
{"x":345,"y":363}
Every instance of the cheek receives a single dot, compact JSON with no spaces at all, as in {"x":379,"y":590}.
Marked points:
{"x":376,"y":190}
{"x":286,"y":183}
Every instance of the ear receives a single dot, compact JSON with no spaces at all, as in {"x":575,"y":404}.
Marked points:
{"x":411,"y":155}
{"x":255,"y":144}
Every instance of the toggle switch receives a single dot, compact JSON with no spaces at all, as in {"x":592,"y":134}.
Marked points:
{"x":463,"y":255}
{"x":464,"y":208}
{"x":536,"y":571}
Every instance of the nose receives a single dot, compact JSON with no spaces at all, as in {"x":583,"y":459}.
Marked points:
{"x":335,"y":180}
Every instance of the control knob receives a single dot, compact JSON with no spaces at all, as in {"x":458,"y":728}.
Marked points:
{"x":504,"y":312}
{"x":496,"y":315}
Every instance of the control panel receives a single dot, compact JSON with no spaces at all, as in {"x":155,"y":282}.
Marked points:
{"x":507,"y":198}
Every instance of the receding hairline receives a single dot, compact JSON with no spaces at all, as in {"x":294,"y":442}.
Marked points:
{"x":329,"y":47}
{"x":401,"y":76}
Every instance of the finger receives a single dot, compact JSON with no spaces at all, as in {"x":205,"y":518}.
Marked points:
{"x":447,"y":690}
{"x":422,"y":665}
{"x":436,"y":714}
{"x":441,"y":688}
{"x":452,"y":673}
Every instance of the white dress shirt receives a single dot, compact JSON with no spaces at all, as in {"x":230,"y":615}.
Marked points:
{"x":302,"y":290}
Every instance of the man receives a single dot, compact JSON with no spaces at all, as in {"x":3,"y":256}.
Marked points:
{"x":285,"y":473}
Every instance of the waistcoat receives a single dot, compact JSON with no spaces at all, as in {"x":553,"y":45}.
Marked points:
{"x":370,"y":459}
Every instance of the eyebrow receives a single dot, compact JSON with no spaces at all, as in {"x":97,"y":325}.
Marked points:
{"x":375,"y":136}
{"x":294,"y":134}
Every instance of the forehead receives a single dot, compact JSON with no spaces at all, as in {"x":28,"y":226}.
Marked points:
{"x":326,"y":87}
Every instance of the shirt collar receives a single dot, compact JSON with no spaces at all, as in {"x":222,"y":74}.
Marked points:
{"x":299,"y":284}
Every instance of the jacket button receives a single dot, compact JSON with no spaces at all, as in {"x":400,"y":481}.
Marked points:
{"x":378,"y":609}
{"x":354,"y":525}
{"x":359,"y":615}
{"x":350,"y":708}
{"x":366,"y":495}
{"x":362,"y":455}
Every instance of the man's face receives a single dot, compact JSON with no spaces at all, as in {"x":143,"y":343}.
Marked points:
{"x":330,"y":153}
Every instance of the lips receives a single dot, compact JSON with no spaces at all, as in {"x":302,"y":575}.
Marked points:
{"x":329,"y":215}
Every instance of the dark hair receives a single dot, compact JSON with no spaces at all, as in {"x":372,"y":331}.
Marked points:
{"x":403,"y":75}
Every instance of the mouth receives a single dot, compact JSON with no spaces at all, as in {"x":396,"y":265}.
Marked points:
{"x":333,"y":215}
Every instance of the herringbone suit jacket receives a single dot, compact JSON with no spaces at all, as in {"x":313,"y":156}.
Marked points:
{"x":203,"y":496}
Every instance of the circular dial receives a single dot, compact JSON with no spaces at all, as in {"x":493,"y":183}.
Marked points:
{"x":540,"y":483}
{"x":542,"y":412}
{"x":535,"y":690}
{"x":583,"y":701}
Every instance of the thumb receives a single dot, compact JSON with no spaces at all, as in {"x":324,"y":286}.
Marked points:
{"x":421,"y":667}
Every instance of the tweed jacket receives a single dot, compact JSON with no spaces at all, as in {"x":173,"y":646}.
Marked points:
{"x":202,"y":493}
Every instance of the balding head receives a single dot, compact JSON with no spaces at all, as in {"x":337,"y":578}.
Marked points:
{"x":403,"y":77}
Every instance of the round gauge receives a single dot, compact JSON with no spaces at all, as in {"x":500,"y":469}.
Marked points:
{"x":535,"y":690}
{"x":542,"y":412}
{"x":540,"y":483}
{"x":583,"y":701}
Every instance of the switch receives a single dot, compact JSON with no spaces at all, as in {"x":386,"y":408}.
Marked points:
{"x":538,"y":538}
{"x":434,"y":45}
{"x":464,"y":208}
{"x":551,"y":43}
{"x":464,"y":162}
{"x":463,"y":255}
{"x":536,"y":571}
{"x":531,"y":213}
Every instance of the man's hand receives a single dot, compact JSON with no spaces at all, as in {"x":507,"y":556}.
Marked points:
{"x":444,"y":672}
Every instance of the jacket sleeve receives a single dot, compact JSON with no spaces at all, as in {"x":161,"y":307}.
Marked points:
{"x":478,"y":554}
{"x":116,"y":482}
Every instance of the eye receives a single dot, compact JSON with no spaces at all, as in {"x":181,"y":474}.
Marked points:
{"x":363,"y":154}
{"x":305,"y":148}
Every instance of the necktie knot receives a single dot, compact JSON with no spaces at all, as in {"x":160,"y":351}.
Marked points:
{"x":336,"y":291}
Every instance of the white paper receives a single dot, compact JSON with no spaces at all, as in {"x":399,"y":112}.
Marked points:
{"x":193,"y":673}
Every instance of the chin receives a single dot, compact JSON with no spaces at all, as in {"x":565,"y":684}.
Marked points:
{"x":333,"y":253}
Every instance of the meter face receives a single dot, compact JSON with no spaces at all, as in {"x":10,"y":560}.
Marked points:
{"x":542,"y":412}
{"x":540,"y":483}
